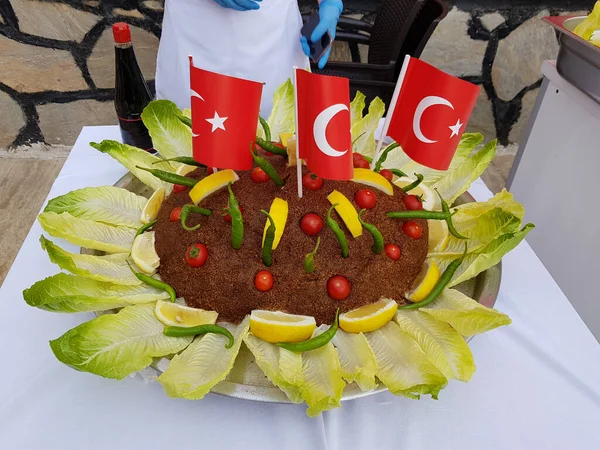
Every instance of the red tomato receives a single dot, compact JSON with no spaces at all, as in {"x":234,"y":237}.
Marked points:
{"x":365,"y":199}
{"x":177,"y":188}
{"x":196,"y":255}
{"x":356,"y":156}
{"x":227,"y":217}
{"x":361,"y":164}
{"x":392,"y":251}
{"x":412,"y":202}
{"x":260,"y":176}
{"x":312,"y":182}
{"x":412,"y":229}
{"x":211,"y":170}
{"x":311,"y":224}
{"x":387,"y":174}
{"x":263,"y":281}
{"x":338,"y":287}
{"x":175,"y":214}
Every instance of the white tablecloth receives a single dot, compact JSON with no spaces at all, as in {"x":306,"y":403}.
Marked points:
{"x":536,"y":384}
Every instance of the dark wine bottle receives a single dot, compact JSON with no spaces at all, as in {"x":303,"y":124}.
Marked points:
{"x":131,"y":91}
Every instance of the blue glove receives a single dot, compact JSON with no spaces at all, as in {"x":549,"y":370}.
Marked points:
{"x":329,"y":14}
{"x":239,"y":5}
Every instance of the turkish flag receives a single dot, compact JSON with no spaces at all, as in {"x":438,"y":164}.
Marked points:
{"x":224,"y":118}
{"x":323,"y":124}
{"x":430,"y":114}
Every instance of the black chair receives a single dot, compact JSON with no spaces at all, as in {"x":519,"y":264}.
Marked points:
{"x":402,"y":27}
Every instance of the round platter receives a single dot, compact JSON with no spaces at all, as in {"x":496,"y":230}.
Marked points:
{"x":246,"y":380}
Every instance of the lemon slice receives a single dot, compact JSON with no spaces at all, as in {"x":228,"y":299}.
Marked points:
{"x":347,"y":212}
{"x":369,"y":317}
{"x":438,"y":235}
{"x":427,"y":195}
{"x":275,"y":326}
{"x":212,"y":183}
{"x":143,"y":252}
{"x":283,"y":137}
{"x":184,"y":169}
{"x":279,"y":213}
{"x":183,"y":316}
{"x":153,"y":205}
{"x":373,"y":179}
{"x":425,"y":282}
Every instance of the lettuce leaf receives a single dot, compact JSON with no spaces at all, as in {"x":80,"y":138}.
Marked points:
{"x":402,"y":366}
{"x":203,"y":364}
{"x":187,"y":112}
{"x":464,"y":314}
{"x":68,"y":293}
{"x":444,"y":346}
{"x":170,"y":137}
{"x":112,"y":268}
{"x":363,"y":131}
{"x":282,"y":118}
{"x":116,"y":345}
{"x":356,"y":109}
{"x":357,"y":361}
{"x":87,"y":233}
{"x":107,"y":204}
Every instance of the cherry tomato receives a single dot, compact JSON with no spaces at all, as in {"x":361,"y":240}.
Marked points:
{"x":356,"y":156}
{"x":362,"y":164}
{"x":412,"y":229}
{"x":177,"y":188}
{"x":196,"y":255}
{"x":227,"y":217}
{"x":312,"y":182}
{"x":311,"y":224}
{"x":338,"y":287}
{"x":211,"y":170}
{"x":412,"y":202}
{"x":263,"y":281}
{"x":392,"y":251}
{"x":365,"y":199}
{"x":260,"y":176}
{"x":175,"y":214}
{"x":387,"y":174}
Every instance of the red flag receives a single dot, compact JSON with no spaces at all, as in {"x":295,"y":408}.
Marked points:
{"x":431,"y":113}
{"x":224,"y":118}
{"x":323,"y":129}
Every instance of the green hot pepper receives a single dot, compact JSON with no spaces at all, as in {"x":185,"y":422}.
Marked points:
{"x":315,"y":342}
{"x":267,"y":248}
{"x":397,"y":172}
{"x":309,"y":259}
{"x":187,"y":160}
{"x":446,"y":209}
{"x":266,"y":129}
{"x":270,"y":147}
{"x":339,"y":234}
{"x":200,"y":329}
{"x":145,"y":227}
{"x":377,"y":247}
{"x":185,"y":212}
{"x":384,"y":155}
{"x":155,"y":283}
{"x":237,"y":221}
{"x":414,"y":184}
{"x":267,"y":167}
{"x":171,"y":177}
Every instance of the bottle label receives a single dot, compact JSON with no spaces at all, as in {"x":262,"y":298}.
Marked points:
{"x":134,"y":132}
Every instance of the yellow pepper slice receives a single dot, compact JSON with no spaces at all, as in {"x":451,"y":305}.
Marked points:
{"x":212,"y":183}
{"x":347,"y":212}
{"x":279,"y":213}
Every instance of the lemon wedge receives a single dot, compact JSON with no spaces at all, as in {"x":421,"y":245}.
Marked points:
{"x":184,"y":169}
{"x":427,"y":195}
{"x":283,"y":137}
{"x":276,"y":326}
{"x":347,"y":212}
{"x":425,"y":282}
{"x":369,"y":317}
{"x":173,"y":314}
{"x":212,"y":183}
{"x":373,"y":179}
{"x":153,"y":205}
{"x":143,"y":253}
{"x":438,"y":235}
{"x":279,"y":213}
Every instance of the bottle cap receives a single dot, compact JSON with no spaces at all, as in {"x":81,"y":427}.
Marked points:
{"x":121,"y":33}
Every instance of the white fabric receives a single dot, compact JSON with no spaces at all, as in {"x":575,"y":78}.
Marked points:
{"x":260,"y":45}
{"x":536,"y":384}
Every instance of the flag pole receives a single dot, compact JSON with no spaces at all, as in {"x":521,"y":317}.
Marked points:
{"x":298,"y":160}
{"x":392,"y":107}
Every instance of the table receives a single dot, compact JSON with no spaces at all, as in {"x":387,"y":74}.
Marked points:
{"x":536,"y":384}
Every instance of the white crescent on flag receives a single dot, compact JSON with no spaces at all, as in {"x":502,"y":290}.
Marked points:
{"x":320,"y":127}
{"x":193,"y":94}
{"x":421,"y":108}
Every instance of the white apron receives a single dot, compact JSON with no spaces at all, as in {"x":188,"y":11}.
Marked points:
{"x":261,"y":45}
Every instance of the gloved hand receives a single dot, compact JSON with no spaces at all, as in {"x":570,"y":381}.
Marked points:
{"x":239,"y":5}
{"x":329,"y":14}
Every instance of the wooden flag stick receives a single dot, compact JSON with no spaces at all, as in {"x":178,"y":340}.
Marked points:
{"x":390,"y":112}
{"x":298,"y":160}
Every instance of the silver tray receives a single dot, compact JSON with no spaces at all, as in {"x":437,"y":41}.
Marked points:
{"x":246,"y":380}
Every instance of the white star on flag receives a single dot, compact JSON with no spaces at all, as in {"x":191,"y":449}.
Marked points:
{"x":217,"y":122}
{"x":455,"y":128}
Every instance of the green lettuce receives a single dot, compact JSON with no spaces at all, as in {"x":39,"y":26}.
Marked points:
{"x":112,"y":268}
{"x":87,"y":233}
{"x":107,"y":204}
{"x":170,"y":136}
{"x":357,"y":361}
{"x":363,"y":131}
{"x":68,"y":293}
{"x":283,"y":117}
{"x":402,"y":366}
{"x":356,"y":109}
{"x":203,"y":364}
{"x":187,"y":112}
{"x":116,"y":345}
{"x":464,"y":314}
{"x":443,"y":345}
